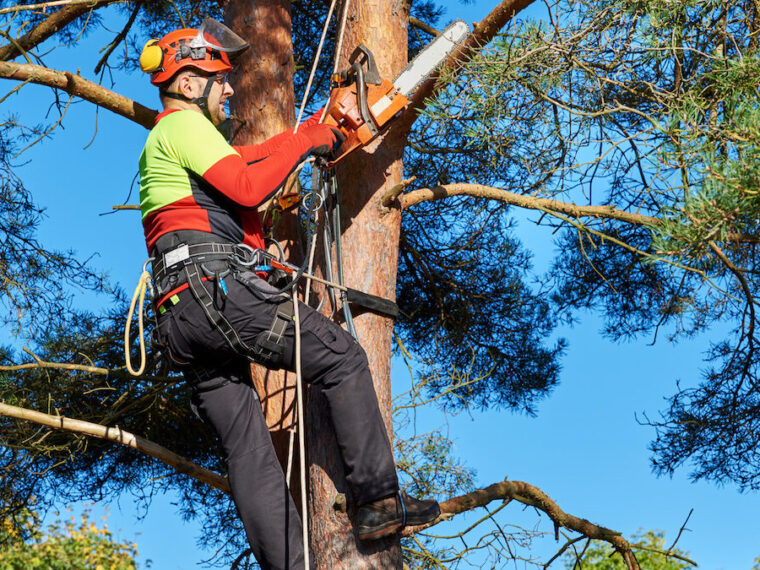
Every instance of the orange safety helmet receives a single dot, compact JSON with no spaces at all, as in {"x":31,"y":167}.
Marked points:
{"x":208,"y":48}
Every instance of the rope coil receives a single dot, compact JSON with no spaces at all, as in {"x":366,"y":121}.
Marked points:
{"x":138,"y":298}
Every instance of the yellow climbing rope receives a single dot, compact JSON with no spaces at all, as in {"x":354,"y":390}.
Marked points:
{"x":139,"y":297}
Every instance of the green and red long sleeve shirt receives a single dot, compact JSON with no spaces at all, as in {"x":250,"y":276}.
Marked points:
{"x":192,"y":179}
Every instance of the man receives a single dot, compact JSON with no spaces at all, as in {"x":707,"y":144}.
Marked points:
{"x":199,"y":199}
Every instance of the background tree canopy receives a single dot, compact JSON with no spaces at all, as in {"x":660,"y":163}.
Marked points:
{"x":629,"y":127}
{"x":74,"y":544}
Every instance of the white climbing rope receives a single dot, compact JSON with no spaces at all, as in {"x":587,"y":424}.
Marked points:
{"x":296,"y":317}
{"x":301,"y":438}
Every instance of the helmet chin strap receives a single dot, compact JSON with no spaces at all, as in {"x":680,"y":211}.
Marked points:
{"x":201,"y":101}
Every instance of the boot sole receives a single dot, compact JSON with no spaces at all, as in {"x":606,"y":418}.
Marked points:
{"x":376,"y":533}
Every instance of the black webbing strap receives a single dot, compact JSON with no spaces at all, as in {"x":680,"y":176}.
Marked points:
{"x":270,"y":344}
{"x":195,"y":283}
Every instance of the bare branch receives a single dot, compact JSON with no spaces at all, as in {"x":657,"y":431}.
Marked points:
{"x":118,"y":39}
{"x":543,"y":204}
{"x":530,"y":202}
{"x":534,"y":497}
{"x":45,"y":5}
{"x":80,"y":87}
{"x":54,"y":365}
{"x":680,"y":532}
{"x":420,"y":25}
{"x":51,"y":25}
{"x":117,"y":435}
{"x":90,"y":369}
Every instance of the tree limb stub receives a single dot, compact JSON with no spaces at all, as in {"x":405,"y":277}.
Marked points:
{"x":533,"y":496}
{"x":533,"y":203}
{"x":51,"y":25}
{"x":117,"y":435}
{"x":80,"y":87}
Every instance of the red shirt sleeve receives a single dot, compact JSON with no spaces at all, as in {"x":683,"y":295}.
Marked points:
{"x":248,"y":185}
{"x":255,"y":152}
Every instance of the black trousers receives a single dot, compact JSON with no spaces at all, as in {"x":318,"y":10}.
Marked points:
{"x":330,"y":359}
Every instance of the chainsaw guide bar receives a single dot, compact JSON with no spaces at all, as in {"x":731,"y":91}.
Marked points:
{"x":363,"y":104}
{"x":430,"y":57}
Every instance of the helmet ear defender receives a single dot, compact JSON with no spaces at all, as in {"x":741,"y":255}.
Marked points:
{"x":152,"y":57}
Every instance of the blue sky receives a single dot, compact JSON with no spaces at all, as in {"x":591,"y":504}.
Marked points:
{"x":585,"y":448}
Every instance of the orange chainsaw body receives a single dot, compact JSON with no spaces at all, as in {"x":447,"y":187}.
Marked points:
{"x":360,"y":122}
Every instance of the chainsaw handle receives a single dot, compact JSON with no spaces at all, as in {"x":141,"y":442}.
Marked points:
{"x":372,"y":75}
{"x":361,"y":96}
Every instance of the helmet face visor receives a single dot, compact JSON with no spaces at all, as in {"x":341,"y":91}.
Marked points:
{"x":216,"y":36}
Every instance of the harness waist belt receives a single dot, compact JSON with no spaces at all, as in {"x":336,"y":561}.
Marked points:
{"x":174,"y":260}
{"x":214,"y":260}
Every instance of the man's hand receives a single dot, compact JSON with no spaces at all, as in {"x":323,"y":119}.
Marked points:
{"x":325,"y":140}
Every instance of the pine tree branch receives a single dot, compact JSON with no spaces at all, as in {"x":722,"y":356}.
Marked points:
{"x":79,"y":87}
{"x":44,"y":364}
{"x":420,"y":25}
{"x":117,"y":435}
{"x":484,"y":32}
{"x":118,"y":39}
{"x":543,"y":204}
{"x":531,"y":202}
{"x":51,"y":25}
{"x":534,"y":497}
{"x":45,"y":5}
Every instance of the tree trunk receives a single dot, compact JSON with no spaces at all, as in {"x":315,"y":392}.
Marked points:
{"x":264,"y":97}
{"x":370,"y":255}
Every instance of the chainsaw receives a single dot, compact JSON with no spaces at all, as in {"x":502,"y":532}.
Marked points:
{"x":363,"y":104}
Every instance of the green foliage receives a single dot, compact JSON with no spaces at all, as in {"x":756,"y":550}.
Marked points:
{"x":70,"y":545}
{"x":649,"y":547}
{"x":650,"y":108}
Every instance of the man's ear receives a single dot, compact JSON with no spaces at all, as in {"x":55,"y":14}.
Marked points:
{"x":185,"y":86}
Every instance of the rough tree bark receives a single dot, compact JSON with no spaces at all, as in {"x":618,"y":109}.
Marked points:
{"x":264,"y":99}
{"x":370,"y":253}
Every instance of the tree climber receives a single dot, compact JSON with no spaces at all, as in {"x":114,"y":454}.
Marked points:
{"x":199,"y":199}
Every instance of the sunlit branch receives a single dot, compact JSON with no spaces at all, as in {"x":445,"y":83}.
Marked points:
{"x":39,"y":364}
{"x":45,"y":5}
{"x":80,"y":87}
{"x":534,"y":497}
{"x":117,"y":435}
{"x":50,"y":26}
{"x":420,"y":25}
{"x":532,"y":202}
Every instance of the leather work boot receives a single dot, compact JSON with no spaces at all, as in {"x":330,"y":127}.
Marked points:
{"x":386,"y":516}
